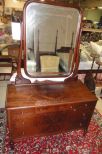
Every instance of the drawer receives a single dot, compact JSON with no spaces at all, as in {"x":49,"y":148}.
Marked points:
{"x":40,"y":121}
{"x":46,"y":123}
{"x":20,"y":115}
{"x":41,"y":124}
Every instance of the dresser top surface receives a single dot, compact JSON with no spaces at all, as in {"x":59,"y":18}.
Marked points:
{"x":47,"y":95}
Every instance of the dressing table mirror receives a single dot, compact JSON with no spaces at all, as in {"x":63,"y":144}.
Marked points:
{"x":56,"y":101}
{"x":52,"y":33}
{"x":50,"y":37}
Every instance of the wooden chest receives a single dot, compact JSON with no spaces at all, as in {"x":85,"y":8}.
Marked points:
{"x":37,"y":110}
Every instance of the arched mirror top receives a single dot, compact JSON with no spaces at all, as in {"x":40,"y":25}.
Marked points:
{"x":51,"y":34}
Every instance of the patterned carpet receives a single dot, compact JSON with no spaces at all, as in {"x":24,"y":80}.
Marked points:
{"x":72,"y":142}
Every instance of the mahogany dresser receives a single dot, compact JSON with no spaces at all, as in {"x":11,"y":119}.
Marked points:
{"x":38,"y":110}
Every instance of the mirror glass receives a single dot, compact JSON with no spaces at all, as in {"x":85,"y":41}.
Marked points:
{"x":51,"y":38}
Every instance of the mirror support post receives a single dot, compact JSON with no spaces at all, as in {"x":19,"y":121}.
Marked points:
{"x":19,"y":78}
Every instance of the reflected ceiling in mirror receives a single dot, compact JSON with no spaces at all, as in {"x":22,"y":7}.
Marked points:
{"x":51,"y":39}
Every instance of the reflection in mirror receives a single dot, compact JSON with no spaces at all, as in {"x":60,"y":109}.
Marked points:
{"x":51,"y":34}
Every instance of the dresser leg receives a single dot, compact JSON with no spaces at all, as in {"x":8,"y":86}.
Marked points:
{"x":85,"y":131}
{"x":11,"y":144}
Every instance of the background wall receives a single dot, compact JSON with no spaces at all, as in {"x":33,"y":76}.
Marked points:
{"x":92,"y":14}
{"x":14,"y":4}
{"x":91,"y":3}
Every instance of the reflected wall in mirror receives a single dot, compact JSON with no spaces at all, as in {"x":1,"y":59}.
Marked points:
{"x":51,"y":38}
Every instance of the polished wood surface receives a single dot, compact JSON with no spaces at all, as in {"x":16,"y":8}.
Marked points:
{"x":44,"y":94}
{"x":48,"y":109}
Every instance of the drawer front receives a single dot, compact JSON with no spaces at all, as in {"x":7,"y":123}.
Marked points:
{"x":31,"y":121}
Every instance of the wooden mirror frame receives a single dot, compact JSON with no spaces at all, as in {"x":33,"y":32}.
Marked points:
{"x":19,"y":78}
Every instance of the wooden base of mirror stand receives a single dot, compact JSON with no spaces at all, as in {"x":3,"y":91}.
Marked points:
{"x":21,"y":80}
